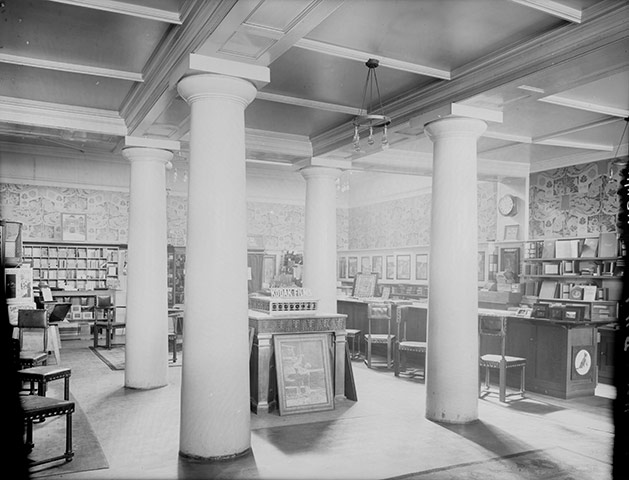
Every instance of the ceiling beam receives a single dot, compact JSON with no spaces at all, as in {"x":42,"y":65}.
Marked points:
{"x":554,"y":8}
{"x":124,"y":8}
{"x":565,"y":101}
{"x":303,"y":102}
{"x":361,"y":56}
{"x":70,"y":67}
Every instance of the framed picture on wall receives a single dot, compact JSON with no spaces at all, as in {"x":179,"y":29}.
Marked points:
{"x":403,"y":267}
{"x":421,"y":266}
{"x":512,"y":232}
{"x":268,"y":269}
{"x":304,"y":372}
{"x":352,"y":267}
{"x":510,"y":260}
{"x":365,"y":265}
{"x":343,"y":267}
{"x":376,"y":265}
{"x":390,"y":267}
{"x":74,"y":227}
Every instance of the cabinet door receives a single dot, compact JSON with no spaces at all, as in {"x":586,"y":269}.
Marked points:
{"x":606,"y":356}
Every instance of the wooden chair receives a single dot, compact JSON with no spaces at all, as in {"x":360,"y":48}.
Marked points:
{"x":496,"y":326}
{"x":33,"y":337}
{"x":354,"y":335}
{"x":36,"y":409}
{"x":403,"y":346}
{"x":105,"y":319}
{"x":378,"y":314}
{"x":174,"y":331}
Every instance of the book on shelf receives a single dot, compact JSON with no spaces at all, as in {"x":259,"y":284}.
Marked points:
{"x":548,"y":250}
{"x":589,"y":293}
{"x":607,"y":244}
{"x":567,"y":248}
{"x":548,"y":289}
{"x":589,"y":248}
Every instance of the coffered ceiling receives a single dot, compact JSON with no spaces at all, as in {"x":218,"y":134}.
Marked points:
{"x":80,"y":75}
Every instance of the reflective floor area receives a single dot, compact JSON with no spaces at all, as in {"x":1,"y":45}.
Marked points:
{"x":382,"y":435}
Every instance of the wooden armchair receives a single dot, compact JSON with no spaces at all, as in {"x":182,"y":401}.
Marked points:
{"x":105,"y":320}
{"x":404,"y":345}
{"x":379,"y":318}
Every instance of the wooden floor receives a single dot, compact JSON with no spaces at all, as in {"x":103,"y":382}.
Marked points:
{"x":382,"y":435}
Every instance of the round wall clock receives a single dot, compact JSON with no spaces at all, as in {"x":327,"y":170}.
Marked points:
{"x":507,"y":205}
{"x":582,"y":362}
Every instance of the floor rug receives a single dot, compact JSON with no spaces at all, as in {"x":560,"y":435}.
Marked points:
{"x":548,"y":464}
{"x":114,"y":358}
{"x":49,"y":439}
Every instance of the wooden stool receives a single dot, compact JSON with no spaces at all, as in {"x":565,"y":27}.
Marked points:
{"x":38,"y":408}
{"x":354,"y":335}
{"x":44,"y":374}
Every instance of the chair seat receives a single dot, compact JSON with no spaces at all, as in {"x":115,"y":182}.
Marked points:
{"x":44,"y":374}
{"x":32,"y":358}
{"x":411,"y":346}
{"x":352,"y":332}
{"x":493,"y":361}
{"x":380,"y":338}
{"x":110,"y":324}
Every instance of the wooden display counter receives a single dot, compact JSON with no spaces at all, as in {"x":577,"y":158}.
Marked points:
{"x":263,"y":385}
{"x":561,"y":355}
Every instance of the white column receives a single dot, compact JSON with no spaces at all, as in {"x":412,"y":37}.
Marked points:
{"x":146,"y":333}
{"x":215,"y":403}
{"x":452,"y":357}
{"x":320,"y":239}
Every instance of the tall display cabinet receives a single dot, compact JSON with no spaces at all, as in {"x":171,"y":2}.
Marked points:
{"x":176,"y":275}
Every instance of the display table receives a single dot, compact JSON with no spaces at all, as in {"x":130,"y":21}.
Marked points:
{"x":561,"y":355}
{"x":261,"y":365}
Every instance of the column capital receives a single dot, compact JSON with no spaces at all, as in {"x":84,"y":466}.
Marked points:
{"x":209,"y":85}
{"x":454,"y":126}
{"x":320,"y":172}
{"x":146,"y":153}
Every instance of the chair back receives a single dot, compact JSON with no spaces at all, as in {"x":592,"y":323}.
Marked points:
{"x":33,"y":330}
{"x":377,"y":311}
{"x":103,"y":301}
{"x":494,"y":327}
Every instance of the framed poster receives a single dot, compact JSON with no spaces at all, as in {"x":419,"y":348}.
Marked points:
{"x":421,"y":266}
{"x":376,"y":265}
{"x":510,"y":260}
{"x":365,"y":265}
{"x":343,"y":267}
{"x":18,"y":284}
{"x":304,"y":374}
{"x":512,"y":232}
{"x":365,"y":285}
{"x":268,"y":270}
{"x":352,"y":267}
{"x":481,"y":266}
{"x":403,"y":267}
{"x":390,"y":267}
{"x":74,"y":227}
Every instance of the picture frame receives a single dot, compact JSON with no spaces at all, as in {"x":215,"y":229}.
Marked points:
{"x":304,"y":373}
{"x":510,"y":260}
{"x":390,"y":267}
{"x":403,"y":267}
{"x":365,"y":285}
{"x":376,"y":265}
{"x":512,"y":232}
{"x":268,"y":270}
{"x":18,"y":285}
{"x":352,"y":267}
{"x":386,"y":292}
{"x":421,"y":266}
{"x":365,"y":265}
{"x":343,"y":267}
{"x":74,"y":227}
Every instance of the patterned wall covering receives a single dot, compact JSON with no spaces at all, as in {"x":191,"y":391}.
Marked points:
{"x":406,"y":222}
{"x":574,"y":201}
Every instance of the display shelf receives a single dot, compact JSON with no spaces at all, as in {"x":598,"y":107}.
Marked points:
{"x":72,"y":266}
{"x":176,"y":275}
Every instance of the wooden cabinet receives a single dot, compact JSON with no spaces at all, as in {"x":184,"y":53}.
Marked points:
{"x":73,"y":267}
{"x":176,"y":275}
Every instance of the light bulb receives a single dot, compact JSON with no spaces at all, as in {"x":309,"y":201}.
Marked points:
{"x":370,"y":140}
{"x":385,"y":140}
{"x":356,"y":139}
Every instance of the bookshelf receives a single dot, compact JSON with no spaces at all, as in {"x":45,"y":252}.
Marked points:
{"x":73,"y":266}
{"x":581,"y":272}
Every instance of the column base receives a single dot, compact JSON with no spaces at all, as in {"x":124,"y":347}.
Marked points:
{"x":220,"y":458}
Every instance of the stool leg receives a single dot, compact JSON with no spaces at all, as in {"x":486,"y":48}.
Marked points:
{"x":41,"y":388}
{"x":66,"y":388}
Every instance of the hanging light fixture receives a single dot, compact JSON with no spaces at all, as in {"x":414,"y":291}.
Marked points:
{"x":373,"y":120}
